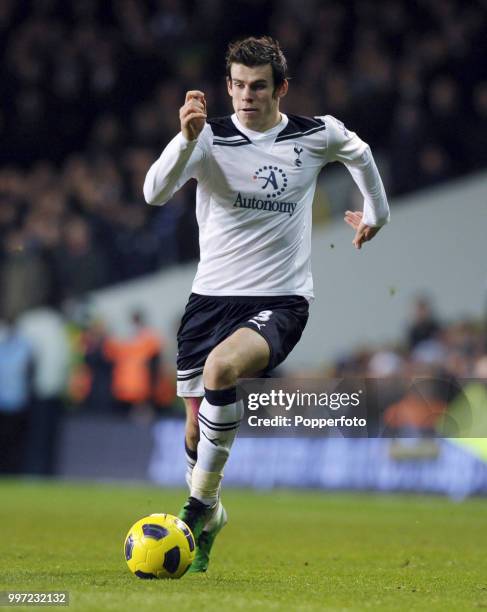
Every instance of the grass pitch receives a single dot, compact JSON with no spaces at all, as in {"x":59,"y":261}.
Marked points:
{"x":282,"y":550}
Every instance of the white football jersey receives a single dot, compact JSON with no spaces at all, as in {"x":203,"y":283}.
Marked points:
{"x":254,"y":197}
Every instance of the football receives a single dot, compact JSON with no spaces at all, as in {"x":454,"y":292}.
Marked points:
{"x":159,"y":546}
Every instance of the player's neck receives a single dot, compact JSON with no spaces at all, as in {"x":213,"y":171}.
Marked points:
{"x":268,"y":125}
{"x":273,"y":122}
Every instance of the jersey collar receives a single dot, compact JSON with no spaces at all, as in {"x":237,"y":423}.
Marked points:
{"x":267,"y":135}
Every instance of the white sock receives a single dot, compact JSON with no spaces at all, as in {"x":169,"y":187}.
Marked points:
{"x":219,"y":418}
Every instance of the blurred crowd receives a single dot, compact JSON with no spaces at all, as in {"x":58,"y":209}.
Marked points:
{"x":91,"y":93}
{"x":429,"y":346}
{"x":435,"y":380}
{"x":50,"y":366}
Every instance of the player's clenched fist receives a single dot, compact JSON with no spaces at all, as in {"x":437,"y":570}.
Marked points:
{"x":193,"y":114}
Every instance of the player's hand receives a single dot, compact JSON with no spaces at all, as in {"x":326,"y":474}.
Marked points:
{"x":363,"y":233}
{"x":193,"y":114}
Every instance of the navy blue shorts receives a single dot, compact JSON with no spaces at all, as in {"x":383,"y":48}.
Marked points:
{"x":208,"y":320}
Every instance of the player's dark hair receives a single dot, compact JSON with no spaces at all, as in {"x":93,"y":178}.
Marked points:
{"x":253,"y":51}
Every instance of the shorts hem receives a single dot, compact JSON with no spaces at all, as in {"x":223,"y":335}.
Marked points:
{"x":190,"y":394}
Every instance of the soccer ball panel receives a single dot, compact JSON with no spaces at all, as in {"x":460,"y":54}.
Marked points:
{"x":172,"y":559}
{"x":129,"y":546}
{"x":152,"y":530}
{"x":144,"y":575}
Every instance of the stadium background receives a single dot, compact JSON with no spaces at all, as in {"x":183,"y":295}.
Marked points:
{"x":92,"y":280}
{"x":90,"y":274}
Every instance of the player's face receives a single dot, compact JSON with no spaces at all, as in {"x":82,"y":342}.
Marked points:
{"x":254,"y":98}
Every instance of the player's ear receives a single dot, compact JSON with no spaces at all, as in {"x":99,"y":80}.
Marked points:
{"x":281,"y":91}
{"x":229,"y":85}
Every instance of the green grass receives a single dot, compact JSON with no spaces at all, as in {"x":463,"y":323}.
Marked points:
{"x":280,"y":551}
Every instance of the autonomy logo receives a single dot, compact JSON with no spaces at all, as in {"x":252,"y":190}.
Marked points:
{"x":274,"y":180}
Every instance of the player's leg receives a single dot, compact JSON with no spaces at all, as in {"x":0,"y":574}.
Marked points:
{"x":191,"y":435}
{"x":243,"y":353}
{"x":218,"y":519}
{"x":263,"y":339}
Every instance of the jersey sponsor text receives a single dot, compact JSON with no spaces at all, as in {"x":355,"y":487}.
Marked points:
{"x":270,"y":205}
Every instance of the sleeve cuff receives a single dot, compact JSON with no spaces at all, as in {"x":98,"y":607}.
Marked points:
{"x":368,"y":220}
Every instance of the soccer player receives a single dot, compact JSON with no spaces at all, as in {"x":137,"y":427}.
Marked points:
{"x":256,"y":172}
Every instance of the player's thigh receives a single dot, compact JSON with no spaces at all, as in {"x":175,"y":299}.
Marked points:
{"x":243,"y":353}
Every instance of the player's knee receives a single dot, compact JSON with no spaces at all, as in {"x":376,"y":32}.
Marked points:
{"x":219,"y":373}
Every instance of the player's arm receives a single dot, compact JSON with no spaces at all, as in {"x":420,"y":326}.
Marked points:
{"x":346,"y":147}
{"x":182,"y":157}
